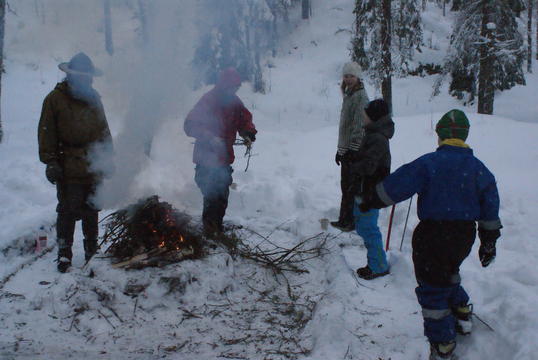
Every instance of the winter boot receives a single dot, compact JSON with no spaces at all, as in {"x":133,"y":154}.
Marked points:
{"x":64,"y":259}
{"x":463,"y":315}
{"x":90,"y":248}
{"x":343,"y":227}
{"x":212,"y":229}
{"x":367,"y":274}
{"x":90,"y":229}
{"x":442,"y":351}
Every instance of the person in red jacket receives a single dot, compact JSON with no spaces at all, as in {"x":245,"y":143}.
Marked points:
{"x":214,"y":122}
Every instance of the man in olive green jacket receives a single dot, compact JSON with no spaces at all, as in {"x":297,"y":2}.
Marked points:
{"x":73,"y":132}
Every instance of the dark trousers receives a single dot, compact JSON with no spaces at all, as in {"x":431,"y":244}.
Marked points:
{"x":439,"y":248}
{"x":348,"y":185}
{"x":74,"y":204}
{"x":214,"y":183}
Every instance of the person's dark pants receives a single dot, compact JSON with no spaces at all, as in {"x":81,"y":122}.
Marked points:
{"x":214,"y":183}
{"x":348,"y":185}
{"x":74,"y":204}
{"x":439,"y":248}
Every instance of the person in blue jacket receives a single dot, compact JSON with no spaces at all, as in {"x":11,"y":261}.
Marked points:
{"x":372,"y":165}
{"x":455,"y":191}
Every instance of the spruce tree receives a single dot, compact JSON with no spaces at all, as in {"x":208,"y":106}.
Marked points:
{"x":486,"y":50}
{"x":386,"y":36}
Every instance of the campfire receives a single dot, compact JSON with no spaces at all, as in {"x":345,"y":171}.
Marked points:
{"x":150,"y":233}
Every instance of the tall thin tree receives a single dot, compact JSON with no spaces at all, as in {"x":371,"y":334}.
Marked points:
{"x":2,"y":27}
{"x":386,"y":37}
{"x":306,"y":9}
{"x":486,"y":88}
{"x":456,"y":5}
{"x":529,"y":36}
{"x":109,"y":46}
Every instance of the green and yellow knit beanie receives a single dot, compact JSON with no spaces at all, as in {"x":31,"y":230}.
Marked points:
{"x":453,"y":125}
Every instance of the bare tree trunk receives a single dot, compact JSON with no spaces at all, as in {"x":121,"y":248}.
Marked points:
{"x":529,"y":37}
{"x":486,"y":91}
{"x":143,"y":21}
{"x":444,"y":7}
{"x":456,"y":5}
{"x":2,"y":27}
{"x":423,"y":5}
{"x":306,"y":9}
{"x":386,"y":82}
{"x":109,"y":46}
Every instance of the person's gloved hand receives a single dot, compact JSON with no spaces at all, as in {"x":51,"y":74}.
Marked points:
{"x":248,"y":137}
{"x":487,"y":250}
{"x":54,"y":172}
{"x":352,"y":155}
{"x":365,"y":204}
{"x":338,"y":158}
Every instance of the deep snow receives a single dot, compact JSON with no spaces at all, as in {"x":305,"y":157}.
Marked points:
{"x":291,"y":183}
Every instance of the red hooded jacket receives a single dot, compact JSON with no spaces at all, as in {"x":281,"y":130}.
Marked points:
{"x":218,"y":114}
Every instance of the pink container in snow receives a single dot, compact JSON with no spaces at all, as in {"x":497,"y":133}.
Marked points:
{"x":41,"y":242}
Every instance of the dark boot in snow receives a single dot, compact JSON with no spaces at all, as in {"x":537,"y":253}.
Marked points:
{"x":442,"y":351}
{"x":90,"y":230}
{"x":463,"y":315}
{"x":367,"y":274}
{"x":64,"y":259}
{"x":343,"y":227}
{"x":90,"y":248}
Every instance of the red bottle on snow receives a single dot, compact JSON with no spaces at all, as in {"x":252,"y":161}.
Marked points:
{"x":41,"y":241}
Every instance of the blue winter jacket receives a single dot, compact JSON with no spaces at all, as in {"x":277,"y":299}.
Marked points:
{"x":451,"y":184}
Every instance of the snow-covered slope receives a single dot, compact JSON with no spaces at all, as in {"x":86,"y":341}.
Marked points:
{"x":221,"y":307}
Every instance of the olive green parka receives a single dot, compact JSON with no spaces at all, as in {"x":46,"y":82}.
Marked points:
{"x":70,"y":130}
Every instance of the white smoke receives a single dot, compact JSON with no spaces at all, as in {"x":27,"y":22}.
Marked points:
{"x":156,"y":81}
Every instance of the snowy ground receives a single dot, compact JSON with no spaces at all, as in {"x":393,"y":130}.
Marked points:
{"x":219,"y":307}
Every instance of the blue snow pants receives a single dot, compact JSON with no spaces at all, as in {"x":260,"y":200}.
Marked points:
{"x":214,"y":183}
{"x":437,"y":304}
{"x":366,"y":227}
{"x":439,"y":248}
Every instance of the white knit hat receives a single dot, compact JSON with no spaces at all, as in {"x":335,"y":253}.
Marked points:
{"x":352,"y":68}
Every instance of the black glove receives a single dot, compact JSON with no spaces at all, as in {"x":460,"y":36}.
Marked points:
{"x":248,"y":136}
{"x":365,"y":206}
{"x":54,"y":172}
{"x":366,"y":202}
{"x":338,"y":158}
{"x":352,"y":155}
{"x":487,"y":250}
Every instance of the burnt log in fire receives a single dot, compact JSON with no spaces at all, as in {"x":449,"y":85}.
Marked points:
{"x":150,"y":233}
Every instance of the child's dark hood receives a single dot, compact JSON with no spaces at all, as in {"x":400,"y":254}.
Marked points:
{"x":384,"y":125}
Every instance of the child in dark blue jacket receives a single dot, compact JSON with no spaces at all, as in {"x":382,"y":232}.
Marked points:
{"x":455,"y":191}
{"x":371,"y":166}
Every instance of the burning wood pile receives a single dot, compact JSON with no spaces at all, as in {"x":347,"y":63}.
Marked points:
{"x":150,"y":233}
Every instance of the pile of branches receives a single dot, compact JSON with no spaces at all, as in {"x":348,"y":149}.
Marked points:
{"x":150,"y":233}
{"x":282,"y":259}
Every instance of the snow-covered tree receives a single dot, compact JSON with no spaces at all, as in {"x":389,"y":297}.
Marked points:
{"x":407,"y":25}
{"x":386,"y":36}
{"x":486,"y":49}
